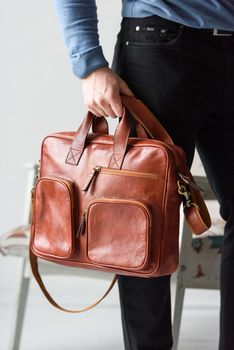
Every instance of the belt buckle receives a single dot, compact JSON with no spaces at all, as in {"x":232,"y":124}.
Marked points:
{"x":220,"y":32}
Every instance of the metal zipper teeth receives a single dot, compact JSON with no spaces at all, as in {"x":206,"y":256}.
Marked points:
{"x":105,"y":170}
{"x":160,"y":143}
{"x":120,"y":200}
{"x":165,"y":145}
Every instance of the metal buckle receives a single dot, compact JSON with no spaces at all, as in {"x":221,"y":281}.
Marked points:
{"x":220,"y":32}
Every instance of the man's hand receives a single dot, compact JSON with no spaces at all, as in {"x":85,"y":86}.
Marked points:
{"x":101,"y":91}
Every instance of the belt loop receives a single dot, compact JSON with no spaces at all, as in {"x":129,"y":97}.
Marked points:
{"x":126,"y":34}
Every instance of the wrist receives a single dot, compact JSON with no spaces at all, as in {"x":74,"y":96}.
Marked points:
{"x":87,"y":62}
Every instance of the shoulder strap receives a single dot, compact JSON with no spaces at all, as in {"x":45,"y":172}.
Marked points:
{"x":196,"y":215}
{"x":142,"y":114}
{"x":36,"y":274}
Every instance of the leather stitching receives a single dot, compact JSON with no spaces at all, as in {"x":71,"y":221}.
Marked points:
{"x":73,"y":156}
{"x":116,"y":160}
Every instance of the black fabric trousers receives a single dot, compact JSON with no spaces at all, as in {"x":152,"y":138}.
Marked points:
{"x":186,"y":77}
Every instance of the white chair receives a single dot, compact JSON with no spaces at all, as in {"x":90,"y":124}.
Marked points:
{"x":197,"y":254}
{"x":15,"y":243}
{"x":199,"y":260}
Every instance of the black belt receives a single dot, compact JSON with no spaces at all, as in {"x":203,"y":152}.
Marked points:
{"x":214,"y":32}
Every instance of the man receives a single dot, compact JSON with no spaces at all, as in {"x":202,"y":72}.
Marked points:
{"x":178,"y":58}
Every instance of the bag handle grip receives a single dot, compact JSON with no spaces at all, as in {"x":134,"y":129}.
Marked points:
{"x":139,"y":112}
{"x":100,"y":125}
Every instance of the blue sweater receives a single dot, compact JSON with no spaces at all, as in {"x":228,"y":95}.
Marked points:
{"x":78,"y":23}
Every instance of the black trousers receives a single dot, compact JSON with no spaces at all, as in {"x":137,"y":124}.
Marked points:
{"x":186,"y":77}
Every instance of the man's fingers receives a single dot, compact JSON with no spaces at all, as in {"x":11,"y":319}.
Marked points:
{"x":116,"y":105}
{"x":105,"y":104}
{"x":102,"y":89}
{"x":92,"y":110}
{"x":102,"y":111}
{"x":116,"y":102}
{"x":96,"y":109}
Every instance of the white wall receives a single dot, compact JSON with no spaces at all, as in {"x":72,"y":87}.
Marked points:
{"x":38,"y":92}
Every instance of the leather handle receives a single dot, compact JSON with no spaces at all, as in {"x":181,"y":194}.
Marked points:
{"x":36,"y":274}
{"x":100,"y":125}
{"x":78,"y":144}
{"x":120,"y":142}
{"x":139,"y":112}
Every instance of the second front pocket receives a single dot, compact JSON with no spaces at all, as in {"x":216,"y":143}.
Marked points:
{"x":118,"y":232}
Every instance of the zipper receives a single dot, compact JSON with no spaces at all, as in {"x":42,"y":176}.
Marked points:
{"x":121,"y":200}
{"x":104,"y":170}
{"x":95,"y":171}
{"x":81,"y":229}
{"x":165,"y":145}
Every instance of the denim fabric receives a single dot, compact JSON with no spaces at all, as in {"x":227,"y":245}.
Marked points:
{"x":186,"y":77}
{"x":78,"y":23}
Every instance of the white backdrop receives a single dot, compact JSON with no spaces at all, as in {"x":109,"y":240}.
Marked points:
{"x":38,"y":92}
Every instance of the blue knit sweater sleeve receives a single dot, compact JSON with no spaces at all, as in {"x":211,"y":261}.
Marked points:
{"x":78,"y":24}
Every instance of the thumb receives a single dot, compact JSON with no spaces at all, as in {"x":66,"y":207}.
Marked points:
{"x":124,"y":89}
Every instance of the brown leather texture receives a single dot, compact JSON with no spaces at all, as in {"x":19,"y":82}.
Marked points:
{"x":121,"y":192}
{"x":108,"y":221}
{"x":111,"y":202}
{"x":54,"y":224}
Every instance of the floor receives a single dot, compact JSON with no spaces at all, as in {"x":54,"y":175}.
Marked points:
{"x":45,"y":328}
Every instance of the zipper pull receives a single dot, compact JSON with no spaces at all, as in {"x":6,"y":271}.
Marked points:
{"x":81,"y":230}
{"x":92,"y":175}
{"x":187,"y":180}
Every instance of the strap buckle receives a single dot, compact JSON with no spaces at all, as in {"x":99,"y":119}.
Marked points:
{"x":185,"y":193}
{"x":220,"y":32}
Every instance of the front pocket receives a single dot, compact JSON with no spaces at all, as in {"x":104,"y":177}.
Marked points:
{"x":162,"y":37}
{"x":118,"y":233}
{"x":54,"y":208}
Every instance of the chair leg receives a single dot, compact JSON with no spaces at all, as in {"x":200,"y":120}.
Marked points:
{"x":178,"y":308}
{"x":20,"y":306}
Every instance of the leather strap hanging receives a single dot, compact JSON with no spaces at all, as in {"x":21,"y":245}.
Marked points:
{"x":34,"y":267}
{"x":148,"y":126}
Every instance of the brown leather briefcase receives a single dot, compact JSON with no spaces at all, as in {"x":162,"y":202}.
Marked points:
{"x":111,"y":202}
